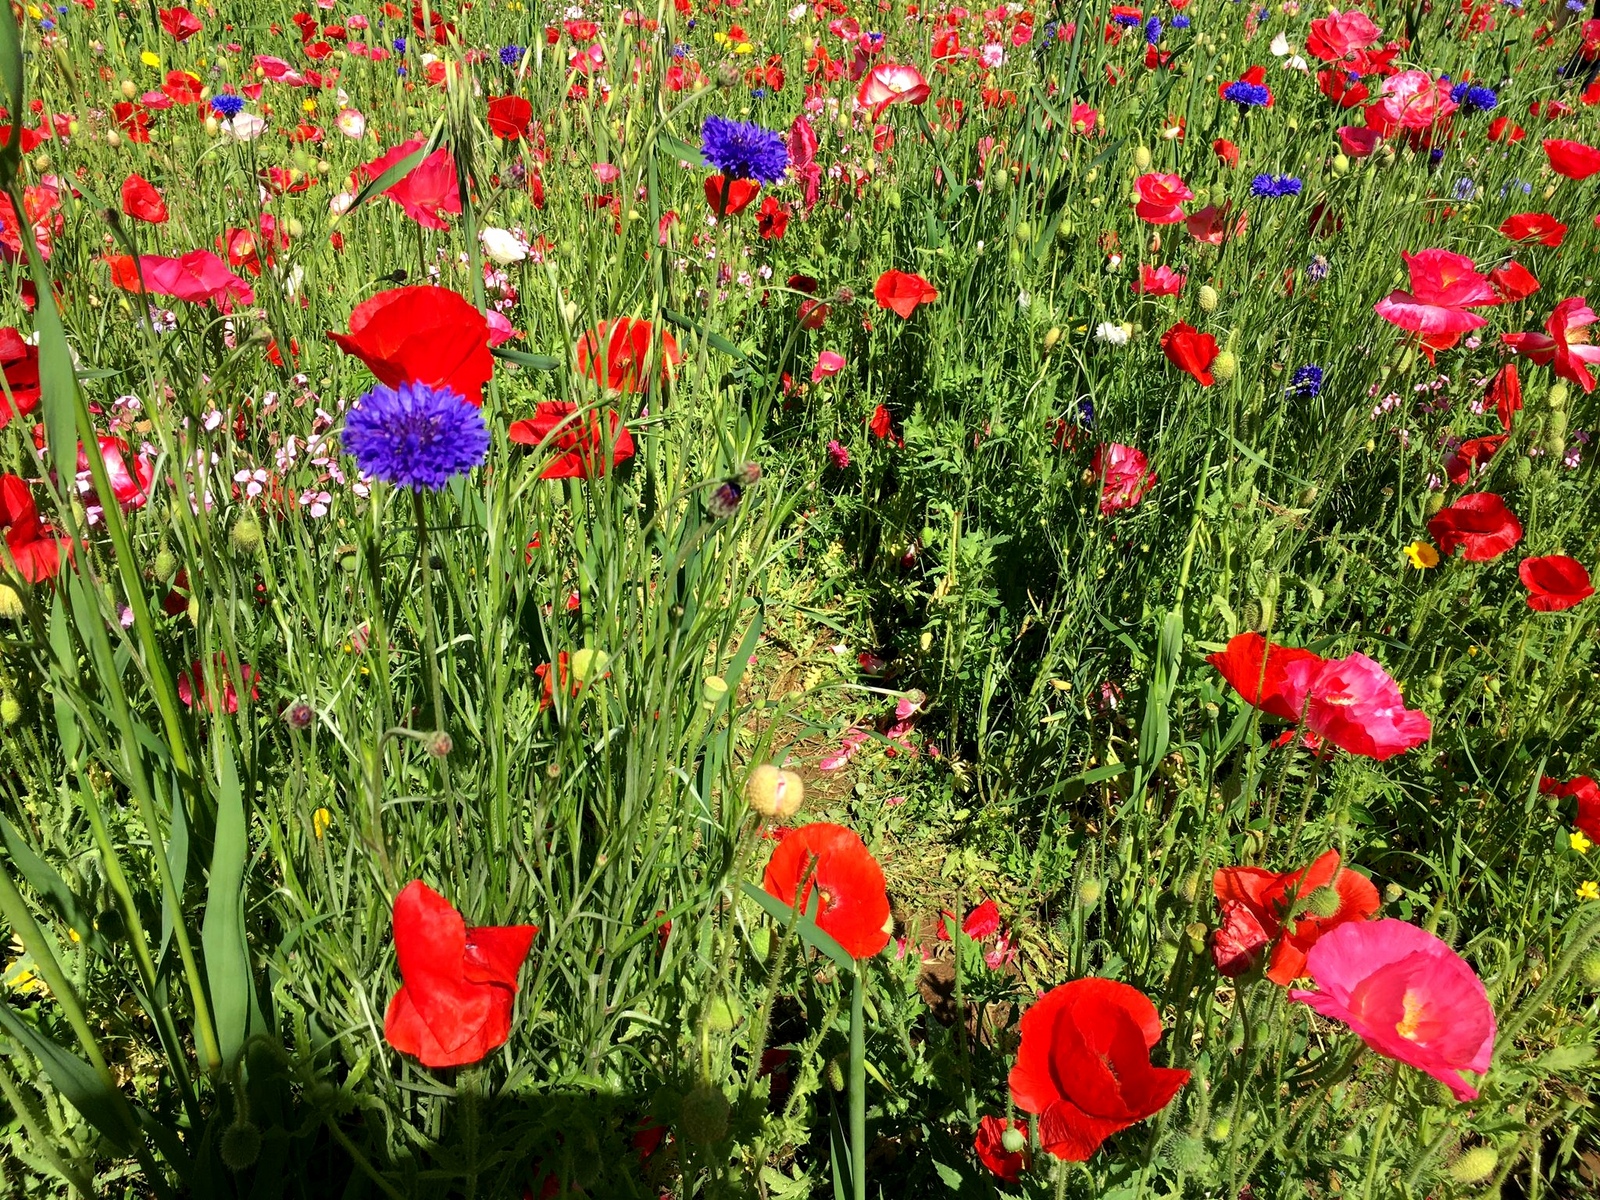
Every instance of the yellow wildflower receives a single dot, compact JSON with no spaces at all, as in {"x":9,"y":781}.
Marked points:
{"x":1589,"y":890}
{"x":150,"y":58}
{"x":1422,"y":555}
{"x":320,"y":820}
{"x":308,"y":105}
{"x":1578,"y":842}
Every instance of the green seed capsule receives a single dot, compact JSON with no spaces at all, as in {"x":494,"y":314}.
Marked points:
{"x":1141,"y":157}
{"x":1226,"y":366}
{"x":1209,"y":298}
{"x":1475,"y":1165}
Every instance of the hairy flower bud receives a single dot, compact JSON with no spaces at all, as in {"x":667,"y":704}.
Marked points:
{"x":1475,"y":1165}
{"x":1209,"y":298}
{"x":241,"y":1145}
{"x":1225,"y":366}
{"x":246,"y":535}
{"x":774,"y":792}
{"x":703,"y":1118}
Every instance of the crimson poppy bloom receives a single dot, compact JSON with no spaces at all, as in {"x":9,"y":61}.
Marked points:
{"x":198,"y":277}
{"x":184,"y":87}
{"x":1191,"y":351}
{"x":1338,"y":35}
{"x":1159,"y":281}
{"x":1210,"y":225}
{"x":1512,"y":282}
{"x":509,"y":117}
{"x":427,"y":193}
{"x":1470,"y":455}
{"x":1564,"y":346}
{"x":180,"y":23}
{"x":629,"y":343}
{"x":730,"y":199}
{"x":130,"y":475}
{"x":192,"y":685}
{"x":1534,"y":227}
{"x":1084,"y":1065}
{"x":1481,"y":522}
{"x":989,"y":1145}
{"x":853,"y":905}
{"x":1505,"y":393}
{"x":421,"y":335}
{"x":132,"y":120}
{"x":1355,"y":704}
{"x":1275,"y":904}
{"x":1587,"y":793}
{"x":902,"y":292}
{"x":142,"y":202}
{"x":33,"y":547}
{"x":457,"y":984}
{"x":1124,"y":474}
{"x":580,"y":445}
{"x":1259,"y":671}
{"x":772,"y":219}
{"x":1572,"y":159}
{"x":20,"y":362}
{"x":1161,"y":198}
{"x":1555,"y":582}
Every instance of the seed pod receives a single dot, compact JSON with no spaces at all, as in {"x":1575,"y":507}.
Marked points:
{"x":1341,"y":165}
{"x":703,"y":1118}
{"x":1225,"y":366}
{"x":1209,"y":298}
{"x":1141,"y":157}
{"x":1475,"y":1165}
{"x":1012,"y":1141}
{"x":1557,"y":399}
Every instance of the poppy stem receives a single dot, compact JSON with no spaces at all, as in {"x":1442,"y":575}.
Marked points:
{"x":1378,"y":1133}
{"x":763,"y":1022}
{"x":426,"y":586}
{"x":858,"y":1085}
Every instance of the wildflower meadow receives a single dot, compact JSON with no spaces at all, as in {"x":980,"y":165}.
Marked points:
{"x":850,"y":600}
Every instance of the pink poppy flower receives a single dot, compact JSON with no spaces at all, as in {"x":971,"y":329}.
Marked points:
{"x":1415,"y":100}
{"x":1564,"y":347}
{"x":828,"y":364}
{"x":1358,"y":141}
{"x":1354,"y":704}
{"x":1339,"y":35}
{"x":192,"y":685}
{"x":1159,"y":281}
{"x":1406,"y":994}
{"x":1443,"y":286}
{"x":198,"y":277}
{"x":1210,"y":225}
{"x":1161,"y":198}
{"x":891,"y":83}
{"x":1125,"y":476}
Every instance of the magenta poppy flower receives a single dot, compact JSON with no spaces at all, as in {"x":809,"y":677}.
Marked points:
{"x":1354,"y":704}
{"x":1406,"y":994}
{"x":1159,"y":281}
{"x":1125,"y":476}
{"x":1443,"y":286}
{"x":198,"y":277}
{"x":1564,"y":346}
{"x":891,"y":83}
{"x":1161,"y":198}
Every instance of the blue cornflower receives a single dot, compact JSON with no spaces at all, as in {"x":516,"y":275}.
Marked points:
{"x":741,"y":150}
{"x":416,"y":437}
{"x":1307,"y":381}
{"x":1317,"y":268}
{"x":1247,"y":95}
{"x":1436,"y":155}
{"x":399,"y":45}
{"x":681,"y":50}
{"x":47,"y":24}
{"x":511,"y":55}
{"x":1086,"y":412}
{"x":1180,"y":22}
{"x":759,"y":94}
{"x":1275,"y":186}
{"x":227,"y":105}
{"x":1574,"y":6}
{"x":1464,"y":189}
{"x":1124,"y":19}
{"x":1152,"y":30}
{"x":1479,"y":98}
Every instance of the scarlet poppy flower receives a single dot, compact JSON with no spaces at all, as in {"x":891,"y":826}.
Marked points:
{"x":1355,"y":704}
{"x":1190,"y":351}
{"x":1124,"y":474}
{"x":142,"y":202}
{"x":424,"y":335}
{"x":1572,"y":159}
{"x":183,"y":87}
{"x":1210,"y":225}
{"x":772,"y":219}
{"x":1555,"y":582}
{"x":427,"y":193}
{"x":1534,"y":227}
{"x":132,"y":120}
{"x":180,"y":23}
{"x":1587,"y":793}
{"x":199,"y":277}
{"x":457,"y":984}
{"x":852,"y":907}
{"x":891,"y":83}
{"x":1505,"y":129}
{"x":579,"y":443}
{"x":1505,"y":393}
{"x":1259,"y":671}
{"x":1443,"y":286}
{"x":1406,"y":994}
{"x":20,"y":362}
{"x":1470,"y":455}
{"x":629,"y":344}
{"x":1564,"y":347}
{"x":1226,"y":151}
{"x":1277,"y":904}
{"x":1512,"y":282}
{"x":192,"y":685}
{"x":34,"y":549}
{"x":1481,"y":522}
{"x":509,"y":117}
{"x":902,"y":292}
{"x":1084,"y":1065}
{"x":989,"y":1146}
{"x":1161,"y":198}
{"x":729,"y":199}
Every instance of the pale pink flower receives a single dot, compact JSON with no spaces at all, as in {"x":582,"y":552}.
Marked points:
{"x":828,"y":364}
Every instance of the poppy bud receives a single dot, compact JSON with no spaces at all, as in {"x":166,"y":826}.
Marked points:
{"x":1557,"y":399}
{"x":1220,"y":1129}
{"x":1013,"y":1140}
{"x":439,"y":744}
{"x":1225,"y":366}
{"x":1188,"y":887}
{"x":1323,"y":902}
{"x":1475,"y":1165}
{"x":193,"y":610}
{"x":1589,"y":969}
{"x":166,"y":565}
{"x":724,"y":1016}
{"x":1392,"y":892}
{"x":241,"y":1145}
{"x":1089,"y":892}
{"x":999,"y":177}
{"x":1141,"y":157}
{"x":1435,"y":502}
{"x":112,"y":139}
{"x":703,"y":1118}
{"x":1189,"y":1154}
{"x":41,"y":162}
{"x":130,"y":89}
{"x":1209,"y":299}
{"x":246,"y":535}
{"x":774,"y":792}
{"x":10,"y":710}
{"x":835,"y":1075}
{"x":1341,"y":164}
{"x":10,"y":604}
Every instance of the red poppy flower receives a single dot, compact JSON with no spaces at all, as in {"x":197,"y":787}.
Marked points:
{"x":1505,"y":393}
{"x":180,"y":23}
{"x":1084,"y":1065}
{"x":132,"y":120}
{"x":1226,"y":151}
{"x":1534,"y":227}
{"x":1481,"y":522}
{"x":628,"y":346}
{"x":1470,"y":455}
{"x":142,"y":202}
{"x":183,"y":87}
{"x":509,"y":117}
{"x":428,"y":193}
{"x":457,"y":984}
{"x":903,"y":292}
{"x":579,"y":444}
{"x":738,"y":195}
{"x":891,"y":83}
{"x":1565,"y":345}
{"x":1587,"y":792}
{"x":1555,"y":582}
{"x":853,"y":907}
{"x":199,"y":277}
{"x":1007,"y":1165}
{"x":1572,"y":159}
{"x":1191,"y":351}
{"x":1161,"y":198}
{"x":1512,"y":282}
{"x":34,"y":549}
{"x":772,"y":219}
{"x":1277,"y":904}
{"x":424,"y":335}
{"x":1124,"y":474}
{"x":1259,"y":671}
{"x":130,"y":475}
{"x":192,"y":685}
{"x":1505,"y":129}
{"x":21,"y":364}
